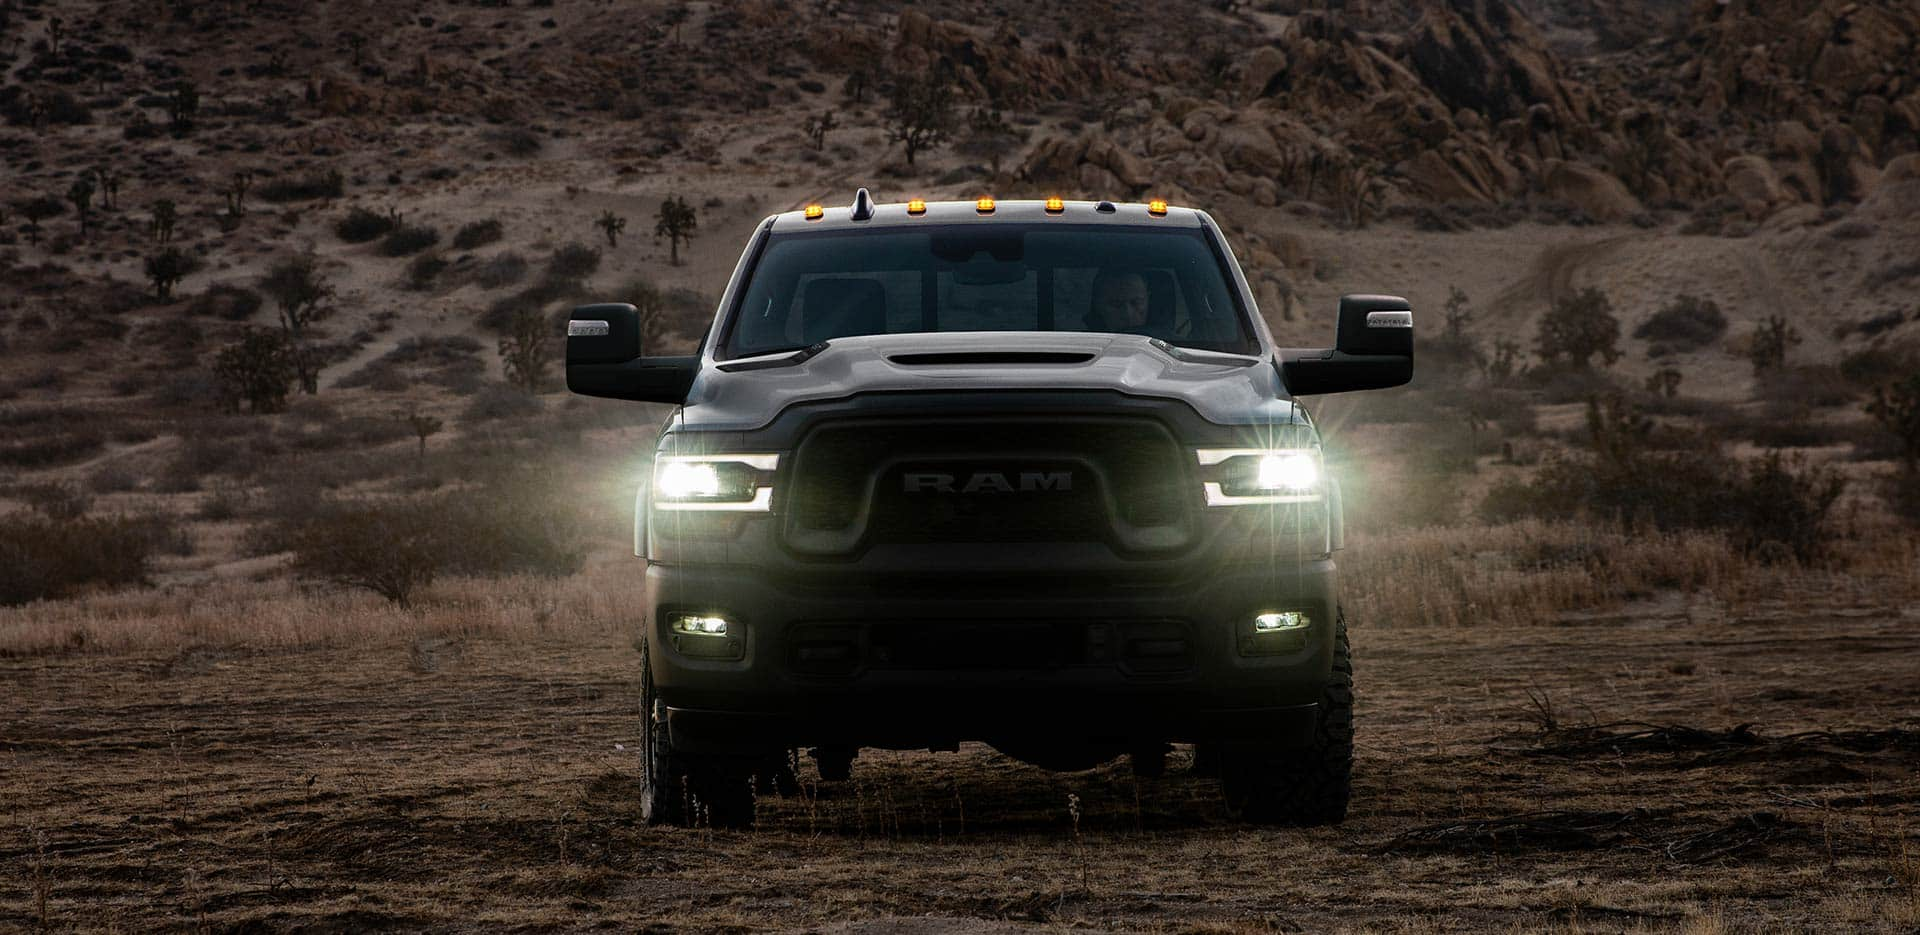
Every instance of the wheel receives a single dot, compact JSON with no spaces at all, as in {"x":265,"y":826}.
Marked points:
{"x":678,"y":788}
{"x":1274,"y":785}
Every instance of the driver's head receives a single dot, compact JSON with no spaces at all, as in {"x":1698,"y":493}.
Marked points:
{"x":1120,"y":300}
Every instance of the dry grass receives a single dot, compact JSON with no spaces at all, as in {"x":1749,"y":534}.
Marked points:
{"x":279,"y":615}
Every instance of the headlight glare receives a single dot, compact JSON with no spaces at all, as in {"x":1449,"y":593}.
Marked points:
{"x":741,"y":482}
{"x":1241,"y":476}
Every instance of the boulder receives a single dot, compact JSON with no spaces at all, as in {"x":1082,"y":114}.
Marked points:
{"x":1600,"y":195}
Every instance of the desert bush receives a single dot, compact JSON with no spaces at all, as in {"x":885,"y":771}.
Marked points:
{"x":526,"y":350}
{"x":1808,"y":385}
{"x":1688,"y":323}
{"x":424,"y":269}
{"x":500,"y":271}
{"x":1771,"y":507}
{"x":225,"y":301}
{"x":443,"y":360}
{"x":477,"y":234}
{"x":391,"y":549}
{"x":1579,"y":328}
{"x":361,"y":225}
{"x":42,"y":558}
{"x":1880,"y":363}
{"x":573,"y":262}
{"x":258,"y":370}
{"x":1902,"y":491}
{"x":312,"y":186}
{"x":55,"y":501}
{"x":113,"y":477}
{"x":1896,"y":407}
{"x":500,"y":314}
{"x":498,"y":401}
{"x":408,"y":239}
{"x":50,"y":449}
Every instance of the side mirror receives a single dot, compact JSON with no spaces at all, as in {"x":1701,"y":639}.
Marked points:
{"x":603,"y":358}
{"x":1373,"y":349}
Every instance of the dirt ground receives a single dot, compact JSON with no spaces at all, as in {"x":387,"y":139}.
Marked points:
{"x":457,"y":785}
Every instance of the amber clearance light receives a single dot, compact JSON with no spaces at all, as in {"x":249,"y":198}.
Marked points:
{"x":815,"y":212}
{"x":984,"y":206}
{"x":1157,"y":207}
{"x":916,"y":207}
{"x":1056,"y":205}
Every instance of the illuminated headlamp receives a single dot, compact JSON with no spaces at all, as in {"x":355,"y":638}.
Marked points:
{"x":741,"y":482}
{"x":1236,"y":476}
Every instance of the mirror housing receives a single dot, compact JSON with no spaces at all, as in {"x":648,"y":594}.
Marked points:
{"x":603,"y":358}
{"x":1373,"y":349}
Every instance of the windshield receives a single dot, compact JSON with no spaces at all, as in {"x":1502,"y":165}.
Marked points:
{"x":1166,"y":283}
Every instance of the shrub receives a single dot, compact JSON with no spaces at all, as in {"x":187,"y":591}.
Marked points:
{"x":500,"y":271}
{"x":226,"y":302}
{"x":389,"y":549}
{"x":1771,"y":507}
{"x":573,"y":262}
{"x":361,"y":225}
{"x":43,"y":558}
{"x":316,"y":185}
{"x":499,"y":401}
{"x":424,"y":269}
{"x":1896,"y":406}
{"x":408,"y":239}
{"x":1688,"y":323}
{"x":477,"y":234}
{"x":258,"y":369}
{"x":1579,"y":328}
{"x":56,"y":501}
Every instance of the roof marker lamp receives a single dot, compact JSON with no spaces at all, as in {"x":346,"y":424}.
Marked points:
{"x":916,"y":207}
{"x":984,"y":205}
{"x":1055,"y":205}
{"x":1237,"y":476}
{"x":815,"y":212}
{"x":1157,"y":207}
{"x":737,"y":482}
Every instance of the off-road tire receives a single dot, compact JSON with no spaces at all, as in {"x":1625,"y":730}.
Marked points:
{"x":1271,"y":784}
{"x":678,"y":788}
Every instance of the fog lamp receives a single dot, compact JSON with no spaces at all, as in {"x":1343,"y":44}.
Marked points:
{"x":694,"y":625}
{"x":1280,"y":622}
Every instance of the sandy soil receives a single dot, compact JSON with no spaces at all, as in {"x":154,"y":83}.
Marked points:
{"x":453,"y":786}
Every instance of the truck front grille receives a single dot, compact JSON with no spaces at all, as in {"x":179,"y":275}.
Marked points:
{"x":858,"y":482}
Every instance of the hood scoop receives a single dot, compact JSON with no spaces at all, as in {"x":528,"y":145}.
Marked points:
{"x":973,"y":358}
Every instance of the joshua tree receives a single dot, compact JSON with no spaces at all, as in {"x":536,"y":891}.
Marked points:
{"x":817,"y":128}
{"x":921,"y":114}
{"x":36,"y":210}
{"x":675,"y":222}
{"x":56,"y":29}
{"x":613,"y":225}
{"x":163,"y":217}
{"x":181,"y":107}
{"x":1665,"y":382}
{"x":859,"y":81}
{"x":81,"y":194}
{"x":422,"y":425}
{"x":237,"y":192}
{"x":297,"y":286}
{"x":165,"y":270}
{"x":1771,"y":341}
{"x":525,"y":350}
{"x":109,"y":187}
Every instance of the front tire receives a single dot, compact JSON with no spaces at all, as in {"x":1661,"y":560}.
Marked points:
{"x":678,"y":788}
{"x":1270,"y":784}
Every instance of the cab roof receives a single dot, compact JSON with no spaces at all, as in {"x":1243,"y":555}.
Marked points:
{"x":894,"y":215}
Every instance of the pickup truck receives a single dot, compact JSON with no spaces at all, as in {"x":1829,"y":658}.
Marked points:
{"x":1027,"y":473}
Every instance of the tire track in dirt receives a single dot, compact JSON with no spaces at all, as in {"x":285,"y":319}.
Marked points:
{"x":1550,"y":275}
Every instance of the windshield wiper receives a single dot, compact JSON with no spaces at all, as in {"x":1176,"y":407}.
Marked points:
{"x":779,"y":357}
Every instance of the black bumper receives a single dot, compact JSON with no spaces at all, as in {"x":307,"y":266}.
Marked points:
{"x":938,"y":663}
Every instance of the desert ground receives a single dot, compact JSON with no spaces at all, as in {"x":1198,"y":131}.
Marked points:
{"x":1662,"y":766}
{"x":1635,"y":612}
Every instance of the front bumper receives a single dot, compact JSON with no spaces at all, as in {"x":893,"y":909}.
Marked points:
{"x":942,"y":661}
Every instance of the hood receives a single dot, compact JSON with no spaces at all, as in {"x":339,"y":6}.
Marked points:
{"x":747,"y":393}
